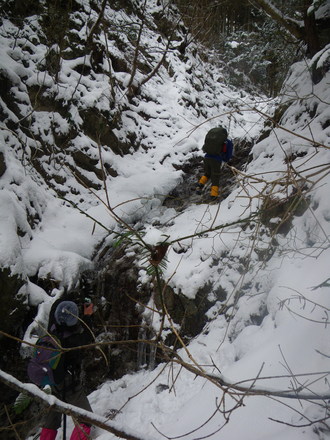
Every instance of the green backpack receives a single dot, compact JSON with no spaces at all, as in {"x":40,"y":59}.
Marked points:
{"x":215,"y":141}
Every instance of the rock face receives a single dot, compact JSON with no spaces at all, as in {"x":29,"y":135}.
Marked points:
{"x":120,"y":300}
{"x":13,"y":315}
{"x":59,"y":133}
{"x":2,"y":164}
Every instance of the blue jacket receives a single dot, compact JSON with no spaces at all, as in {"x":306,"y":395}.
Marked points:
{"x":223,"y":157}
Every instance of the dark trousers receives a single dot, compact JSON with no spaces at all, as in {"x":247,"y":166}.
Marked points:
{"x":74,"y":395}
{"x":212,"y":170}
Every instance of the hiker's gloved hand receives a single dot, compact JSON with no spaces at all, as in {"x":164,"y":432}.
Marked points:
{"x":47,"y":389}
{"x":21,"y":403}
{"x":88,"y":308}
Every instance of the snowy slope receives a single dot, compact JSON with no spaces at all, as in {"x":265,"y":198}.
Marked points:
{"x":289,"y":347}
{"x":275,"y":325}
{"x":166,"y":120}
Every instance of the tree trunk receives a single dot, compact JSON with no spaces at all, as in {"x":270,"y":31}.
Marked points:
{"x":311,"y":36}
{"x":292,"y":26}
{"x":305,"y":31}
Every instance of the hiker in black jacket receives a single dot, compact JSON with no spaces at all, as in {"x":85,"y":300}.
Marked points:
{"x":218,"y":149}
{"x":65,"y":324}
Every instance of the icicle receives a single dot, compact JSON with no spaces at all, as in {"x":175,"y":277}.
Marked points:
{"x":142,"y":349}
{"x":152,"y":357}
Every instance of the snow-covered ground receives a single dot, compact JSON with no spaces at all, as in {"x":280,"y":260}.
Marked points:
{"x":289,"y":349}
{"x":288,"y":346}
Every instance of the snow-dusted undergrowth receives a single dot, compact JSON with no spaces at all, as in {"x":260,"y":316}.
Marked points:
{"x":277,"y":290}
{"x":286,"y":288}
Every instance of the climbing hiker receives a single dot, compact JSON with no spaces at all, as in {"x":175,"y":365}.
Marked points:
{"x":218,"y":149}
{"x":71,"y":331}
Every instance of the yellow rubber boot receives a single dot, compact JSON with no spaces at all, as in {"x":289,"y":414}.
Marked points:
{"x":214,"y":191}
{"x":203,"y":180}
{"x":201,"y":184}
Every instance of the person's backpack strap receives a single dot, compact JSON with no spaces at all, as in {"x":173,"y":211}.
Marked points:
{"x":228,"y":151}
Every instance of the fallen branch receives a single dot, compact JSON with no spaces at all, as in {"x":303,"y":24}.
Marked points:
{"x":57,"y":405}
{"x":233,"y":388}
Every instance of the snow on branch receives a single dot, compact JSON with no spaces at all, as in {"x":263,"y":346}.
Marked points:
{"x":291,"y":25}
{"x":250,"y":389}
{"x":65,"y":408}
